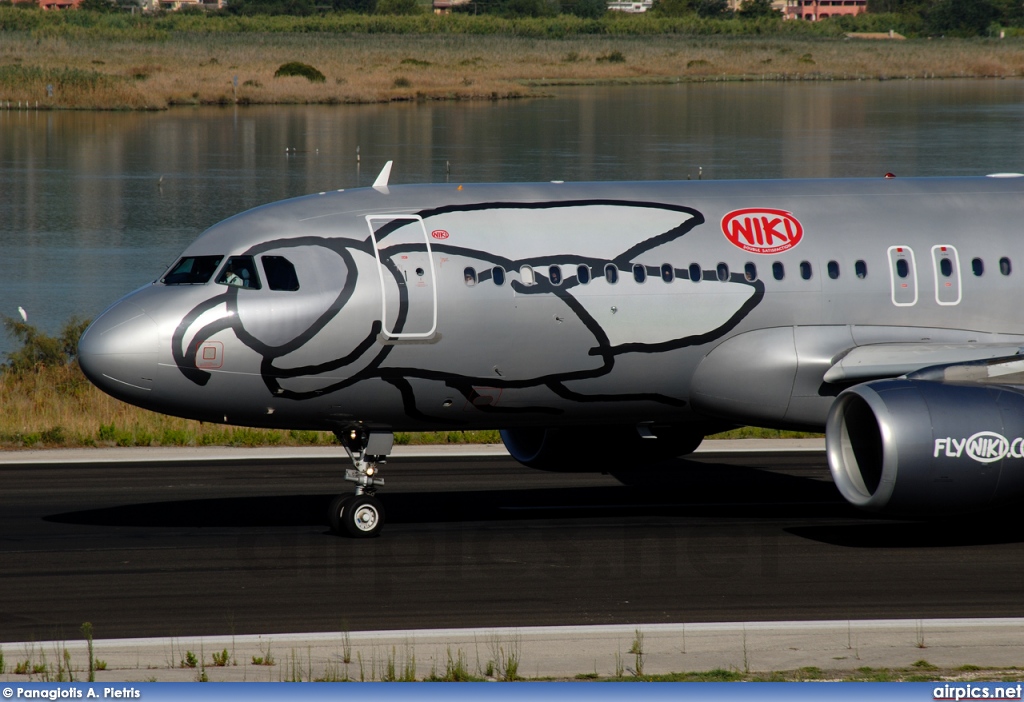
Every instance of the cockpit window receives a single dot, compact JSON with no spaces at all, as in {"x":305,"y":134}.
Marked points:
{"x":280,"y":273}
{"x":192,"y":270}
{"x":240,"y":271}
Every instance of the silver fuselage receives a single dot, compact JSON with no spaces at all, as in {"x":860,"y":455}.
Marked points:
{"x":398,"y":320}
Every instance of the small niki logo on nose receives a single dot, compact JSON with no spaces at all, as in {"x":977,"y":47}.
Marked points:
{"x":210,"y":355}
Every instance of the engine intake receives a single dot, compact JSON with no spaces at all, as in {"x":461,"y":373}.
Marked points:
{"x":927,"y":448}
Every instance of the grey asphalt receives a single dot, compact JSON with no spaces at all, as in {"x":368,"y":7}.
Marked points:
{"x":236,"y":545}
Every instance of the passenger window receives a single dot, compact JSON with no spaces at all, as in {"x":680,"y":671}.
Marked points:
{"x":978,"y":266}
{"x":280,"y":273}
{"x":555,"y":275}
{"x":778,"y":270}
{"x":498,"y":275}
{"x":833,"y":269}
{"x":583,"y":274}
{"x":611,"y":274}
{"x":805,"y":270}
{"x":639,"y":273}
{"x":192,"y":270}
{"x":668,"y":273}
{"x":240,"y":272}
{"x":526,"y":275}
{"x":750,"y":272}
{"x":861,"y":269}
{"x":1004,"y":266}
{"x":470,"y":274}
{"x":695,"y":272}
{"x":945,"y":267}
{"x":902,"y":269}
{"x":723,"y":272}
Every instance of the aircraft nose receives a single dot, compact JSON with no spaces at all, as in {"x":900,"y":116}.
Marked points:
{"x":118,"y":352}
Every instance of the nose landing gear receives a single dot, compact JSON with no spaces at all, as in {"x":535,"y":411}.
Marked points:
{"x":361,"y":515}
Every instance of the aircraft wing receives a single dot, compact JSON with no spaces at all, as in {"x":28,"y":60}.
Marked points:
{"x":876,"y":361}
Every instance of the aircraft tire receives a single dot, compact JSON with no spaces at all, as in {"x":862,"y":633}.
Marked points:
{"x":361,"y":516}
{"x":338,"y":506}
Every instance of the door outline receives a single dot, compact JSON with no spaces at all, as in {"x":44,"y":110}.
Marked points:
{"x":955,"y":258}
{"x":370,"y":219}
{"x":893,"y":277}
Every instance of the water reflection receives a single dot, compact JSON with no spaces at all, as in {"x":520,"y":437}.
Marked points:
{"x":95,"y":204}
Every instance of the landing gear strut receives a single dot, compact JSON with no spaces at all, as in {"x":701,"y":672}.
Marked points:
{"x":361,"y":515}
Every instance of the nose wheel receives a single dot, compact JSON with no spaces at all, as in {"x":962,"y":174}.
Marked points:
{"x":361,"y":515}
{"x":358,"y":516}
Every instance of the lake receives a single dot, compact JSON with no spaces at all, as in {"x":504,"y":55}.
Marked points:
{"x":95,"y":204}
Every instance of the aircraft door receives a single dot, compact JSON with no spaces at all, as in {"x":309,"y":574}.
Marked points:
{"x":408,"y":281}
{"x":946,"y":266}
{"x":903,"y":275}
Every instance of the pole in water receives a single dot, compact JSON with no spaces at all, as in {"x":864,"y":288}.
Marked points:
{"x":357,"y":154}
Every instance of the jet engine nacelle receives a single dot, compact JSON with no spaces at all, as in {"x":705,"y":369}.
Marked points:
{"x":927,"y":448}
{"x":600,"y":448}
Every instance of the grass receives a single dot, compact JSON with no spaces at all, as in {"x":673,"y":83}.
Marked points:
{"x":921,"y":671}
{"x":155,"y":64}
{"x":56,"y":407}
{"x":48,"y":403}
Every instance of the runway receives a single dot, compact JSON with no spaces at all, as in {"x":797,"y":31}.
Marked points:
{"x":214,"y":548}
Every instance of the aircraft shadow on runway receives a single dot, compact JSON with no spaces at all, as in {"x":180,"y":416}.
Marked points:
{"x":912,"y":534}
{"x":676,"y":489}
{"x":679,"y":489}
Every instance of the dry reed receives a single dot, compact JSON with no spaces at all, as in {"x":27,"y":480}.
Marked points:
{"x":53,"y":407}
{"x":57,"y":407}
{"x":194,"y":68}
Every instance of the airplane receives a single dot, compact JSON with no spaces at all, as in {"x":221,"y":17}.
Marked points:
{"x":607,"y":323}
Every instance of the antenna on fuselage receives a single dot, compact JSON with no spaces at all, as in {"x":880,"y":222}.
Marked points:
{"x":381,"y":183}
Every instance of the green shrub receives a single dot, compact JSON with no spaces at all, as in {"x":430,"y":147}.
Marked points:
{"x":399,"y":7}
{"x":53,"y":436}
{"x":613,"y":57}
{"x":303,"y":70}
{"x":39,"y":349}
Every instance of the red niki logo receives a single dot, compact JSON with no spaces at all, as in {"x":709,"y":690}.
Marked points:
{"x":439,"y":234}
{"x":762,"y":231}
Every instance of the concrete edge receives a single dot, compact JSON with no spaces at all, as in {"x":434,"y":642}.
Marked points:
{"x":833,"y":648}
{"x":158,"y":454}
{"x":560,"y":632}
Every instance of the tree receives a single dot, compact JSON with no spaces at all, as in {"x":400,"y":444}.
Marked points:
{"x":1011,"y":12}
{"x":750,"y":9}
{"x":672,"y":8}
{"x":98,"y":6}
{"x":399,"y":7}
{"x":366,"y":7}
{"x":961,"y":18}
{"x":530,"y":8}
{"x":587,"y":9}
{"x":712,"y":9}
{"x":901,"y":7}
{"x":300,"y":8}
